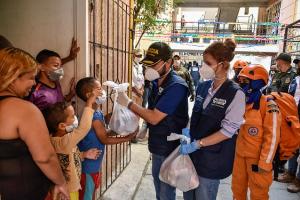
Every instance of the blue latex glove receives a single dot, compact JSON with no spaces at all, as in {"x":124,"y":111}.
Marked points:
{"x":186,"y":132}
{"x":189,"y":148}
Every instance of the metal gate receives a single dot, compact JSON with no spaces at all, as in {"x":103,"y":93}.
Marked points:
{"x":110,"y":49}
{"x":291,"y":42}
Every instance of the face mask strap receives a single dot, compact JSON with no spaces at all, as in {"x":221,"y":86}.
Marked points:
{"x":216,"y":78}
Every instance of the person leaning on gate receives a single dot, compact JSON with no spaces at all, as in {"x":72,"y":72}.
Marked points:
{"x":185,"y":74}
{"x":167,"y":110}
{"x":282,"y":79}
{"x":217,"y":115}
{"x":258,"y":138}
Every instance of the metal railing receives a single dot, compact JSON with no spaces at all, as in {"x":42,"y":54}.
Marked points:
{"x":109,"y":41}
{"x":247,"y":31}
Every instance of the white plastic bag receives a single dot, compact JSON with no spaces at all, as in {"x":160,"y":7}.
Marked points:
{"x":178,"y":170}
{"x":123,"y":121}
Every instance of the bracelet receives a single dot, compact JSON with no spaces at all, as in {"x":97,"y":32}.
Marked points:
{"x":129,"y":104}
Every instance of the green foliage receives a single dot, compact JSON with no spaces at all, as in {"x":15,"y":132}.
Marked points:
{"x":148,"y":10}
{"x":145,"y":15}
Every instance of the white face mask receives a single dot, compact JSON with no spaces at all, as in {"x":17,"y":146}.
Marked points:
{"x":207,"y":72}
{"x":151,"y":74}
{"x":137,"y":60}
{"x":71,"y":127}
{"x":101,"y":99}
{"x":177,"y":63}
{"x":56,"y":75}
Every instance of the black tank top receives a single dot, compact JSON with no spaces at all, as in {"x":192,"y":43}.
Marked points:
{"x":20,"y":177}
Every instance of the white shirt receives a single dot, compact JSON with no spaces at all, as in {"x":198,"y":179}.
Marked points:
{"x":137,"y":76}
{"x":297,"y":92}
{"x":234,"y":115}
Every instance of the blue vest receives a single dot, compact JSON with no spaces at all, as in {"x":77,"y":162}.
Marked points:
{"x":174,"y":123}
{"x":215,"y":161}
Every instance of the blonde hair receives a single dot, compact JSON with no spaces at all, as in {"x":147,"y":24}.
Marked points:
{"x":14,"y":63}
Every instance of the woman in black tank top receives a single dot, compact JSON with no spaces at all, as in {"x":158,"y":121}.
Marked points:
{"x":20,"y":178}
{"x":28,"y":163}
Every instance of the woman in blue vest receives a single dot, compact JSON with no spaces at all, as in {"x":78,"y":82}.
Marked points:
{"x":217,"y":115}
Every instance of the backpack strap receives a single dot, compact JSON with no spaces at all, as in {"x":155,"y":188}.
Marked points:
{"x":5,"y":97}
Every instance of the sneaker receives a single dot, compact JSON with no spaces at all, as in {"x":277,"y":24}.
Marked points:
{"x":286,"y":178}
{"x":294,"y":187}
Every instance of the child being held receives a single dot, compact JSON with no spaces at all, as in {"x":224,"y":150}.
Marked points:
{"x":97,"y":137}
{"x":66,"y":134}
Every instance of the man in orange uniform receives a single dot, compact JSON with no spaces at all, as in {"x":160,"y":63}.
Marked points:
{"x":237,"y":67}
{"x":257,"y":139}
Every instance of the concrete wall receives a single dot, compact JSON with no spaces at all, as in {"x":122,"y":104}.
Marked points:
{"x":194,"y":14}
{"x":290,"y":12}
{"x":287,"y":11}
{"x":34,"y":25}
{"x":297,"y":10}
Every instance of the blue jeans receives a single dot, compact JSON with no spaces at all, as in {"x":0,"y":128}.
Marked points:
{"x":293,"y":166}
{"x":207,"y":190}
{"x":163,"y":191}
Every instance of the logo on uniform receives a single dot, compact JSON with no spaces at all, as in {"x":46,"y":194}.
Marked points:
{"x":160,"y":90}
{"x":253,"y":131}
{"x":152,"y":51}
{"x":287,"y":80}
{"x":219,"y":102}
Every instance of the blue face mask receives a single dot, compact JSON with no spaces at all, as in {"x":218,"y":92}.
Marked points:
{"x":252,"y":90}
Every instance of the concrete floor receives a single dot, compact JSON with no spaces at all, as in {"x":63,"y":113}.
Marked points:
{"x":136,"y":182}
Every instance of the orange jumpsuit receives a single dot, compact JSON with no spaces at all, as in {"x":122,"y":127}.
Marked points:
{"x":256,"y":145}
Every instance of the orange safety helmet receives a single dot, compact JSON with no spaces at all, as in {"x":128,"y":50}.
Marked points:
{"x":240,"y":64}
{"x":255,"y":72}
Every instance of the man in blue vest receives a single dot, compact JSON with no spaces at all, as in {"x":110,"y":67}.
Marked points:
{"x":167,"y":111}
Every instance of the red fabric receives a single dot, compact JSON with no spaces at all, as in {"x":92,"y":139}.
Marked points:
{"x":97,"y":181}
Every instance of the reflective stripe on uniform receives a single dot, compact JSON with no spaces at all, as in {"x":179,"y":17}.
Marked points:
{"x":273,"y":143}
